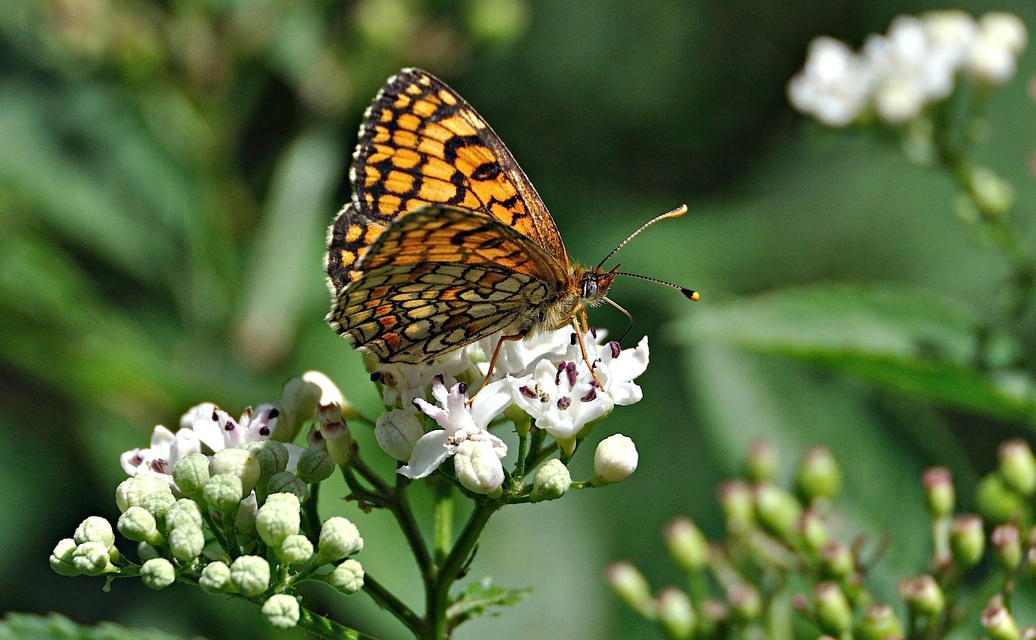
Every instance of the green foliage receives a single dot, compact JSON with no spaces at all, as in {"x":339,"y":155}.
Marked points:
{"x":481,"y":598}
{"x":19,"y":626}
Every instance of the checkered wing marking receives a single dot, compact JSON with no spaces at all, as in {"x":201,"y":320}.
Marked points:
{"x":441,"y":278}
{"x":422,"y":144}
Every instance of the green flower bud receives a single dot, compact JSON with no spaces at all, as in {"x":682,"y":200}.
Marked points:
{"x":879,"y":622}
{"x":923,"y":595}
{"x":224,"y":491}
{"x":632,"y":588}
{"x":745,"y":602}
{"x":1018,"y":466}
{"x":762,"y":461}
{"x":735,"y":498}
{"x":92,"y":559}
{"x":145,"y":552}
{"x":397,"y":432}
{"x":250,"y":575}
{"x":237,"y":462}
{"x":132,"y":491}
{"x":286,"y":482}
{"x":834,"y":614}
{"x":993,"y":195}
{"x":836,"y":560}
{"x":1007,"y":546}
{"x":778,"y":511}
{"x":338,"y":440}
{"x":183,"y":512}
{"x":813,"y":530}
{"x":338,"y":538}
{"x":158,"y":504}
{"x":285,"y":500}
{"x":967,"y":540}
{"x":296,"y":549}
{"x":939,"y":491}
{"x":186,"y":542}
{"x":818,"y":475}
{"x":998,"y":621}
{"x":61,"y":558}
{"x":347,"y":577}
{"x":272,"y":457}
{"x":552,"y":480}
{"x":138,"y":525}
{"x":95,"y":529}
{"x":314,"y":465}
{"x":996,"y":501}
{"x":191,"y":473}
{"x":157,"y":573}
{"x":276,"y":521}
{"x":675,"y":614}
{"x":215,"y":577}
{"x":714,"y":617}
{"x":282,"y":611}
{"x":687,"y":545}
{"x":614,"y":459}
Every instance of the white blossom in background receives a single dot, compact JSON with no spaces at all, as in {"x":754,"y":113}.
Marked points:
{"x":834,"y":85}
{"x":915,"y":64}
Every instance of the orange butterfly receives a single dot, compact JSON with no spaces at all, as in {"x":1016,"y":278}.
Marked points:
{"x":446,"y":241}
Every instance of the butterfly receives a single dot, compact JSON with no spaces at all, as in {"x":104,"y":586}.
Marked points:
{"x":445,"y":240}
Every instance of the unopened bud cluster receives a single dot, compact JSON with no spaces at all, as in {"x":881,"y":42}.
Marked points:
{"x":231,"y":522}
{"x":792,"y":537}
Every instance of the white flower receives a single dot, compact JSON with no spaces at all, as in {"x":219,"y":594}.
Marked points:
{"x":208,"y":425}
{"x":994,"y":55}
{"x":951,"y":33}
{"x":397,"y":432}
{"x":459,"y":422}
{"x":1006,"y":29}
{"x":563,"y":398}
{"x":158,"y":459}
{"x":519,"y":357}
{"x":834,"y":85}
{"x":403,"y":383}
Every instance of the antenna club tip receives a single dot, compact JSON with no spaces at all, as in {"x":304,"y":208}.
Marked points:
{"x":679,"y":211}
{"x":690,"y":294}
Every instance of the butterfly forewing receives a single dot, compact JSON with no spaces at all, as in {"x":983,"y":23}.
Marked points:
{"x":421,"y":144}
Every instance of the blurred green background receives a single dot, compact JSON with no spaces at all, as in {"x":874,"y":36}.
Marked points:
{"x":168,"y":169}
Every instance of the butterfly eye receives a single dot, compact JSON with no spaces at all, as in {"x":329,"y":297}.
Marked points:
{"x":590,"y":288}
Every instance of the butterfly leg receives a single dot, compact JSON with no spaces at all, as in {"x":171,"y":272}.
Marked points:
{"x":492,"y":362}
{"x":581,"y":316}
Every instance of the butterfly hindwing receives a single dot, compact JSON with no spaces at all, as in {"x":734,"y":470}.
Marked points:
{"x":439,"y":278}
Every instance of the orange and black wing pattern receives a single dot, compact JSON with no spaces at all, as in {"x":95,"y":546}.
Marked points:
{"x":421,"y":144}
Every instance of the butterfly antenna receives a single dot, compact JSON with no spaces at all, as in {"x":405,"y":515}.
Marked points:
{"x":690,"y":294}
{"x":625,"y":313}
{"x":679,"y":211}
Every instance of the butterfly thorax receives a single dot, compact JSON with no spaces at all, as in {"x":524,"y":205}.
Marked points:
{"x":586,"y":288}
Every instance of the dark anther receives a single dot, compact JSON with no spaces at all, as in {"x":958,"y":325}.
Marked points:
{"x":564,"y":402}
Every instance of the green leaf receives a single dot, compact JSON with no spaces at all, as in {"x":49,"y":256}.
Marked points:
{"x":56,"y":627}
{"x":479,"y":597}
{"x":901,"y":338}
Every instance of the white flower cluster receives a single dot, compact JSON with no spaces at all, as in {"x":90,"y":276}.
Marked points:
{"x":912,"y":66}
{"x":545,"y":376}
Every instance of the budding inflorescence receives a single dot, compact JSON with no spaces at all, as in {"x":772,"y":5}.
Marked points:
{"x":785,"y":551}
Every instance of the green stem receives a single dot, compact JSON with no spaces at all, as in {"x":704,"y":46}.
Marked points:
{"x":437,"y":587}
{"x":391,"y":603}
{"x":442,"y":522}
